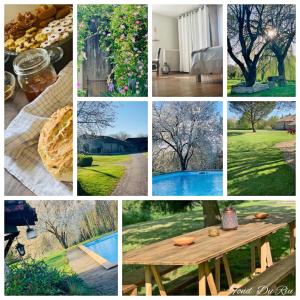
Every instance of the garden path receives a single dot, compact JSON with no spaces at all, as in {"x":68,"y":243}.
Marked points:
{"x":134,"y":182}
{"x":289,"y":152}
{"x":103,"y":281}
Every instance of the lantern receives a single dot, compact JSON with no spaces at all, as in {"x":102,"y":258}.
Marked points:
{"x":229,"y":219}
{"x":31,"y":234}
{"x":21,"y":249}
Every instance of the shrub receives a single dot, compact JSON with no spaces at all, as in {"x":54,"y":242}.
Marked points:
{"x":84,"y":161}
{"x":34,"y":277}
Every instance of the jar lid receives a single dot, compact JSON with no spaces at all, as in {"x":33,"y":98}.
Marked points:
{"x":31,"y":61}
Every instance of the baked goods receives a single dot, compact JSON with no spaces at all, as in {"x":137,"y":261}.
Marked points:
{"x":45,"y":11}
{"x":55,"y":144}
{"x":39,"y":28}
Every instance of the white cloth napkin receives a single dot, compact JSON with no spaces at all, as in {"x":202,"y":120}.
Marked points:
{"x":21,"y":138}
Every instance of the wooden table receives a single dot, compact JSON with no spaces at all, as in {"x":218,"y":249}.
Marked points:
{"x":206,"y":248}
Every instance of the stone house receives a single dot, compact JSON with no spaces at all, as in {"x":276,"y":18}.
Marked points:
{"x":285,"y":123}
{"x":89,"y":144}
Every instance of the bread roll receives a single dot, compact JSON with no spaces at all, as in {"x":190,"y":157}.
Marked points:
{"x":56,"y":144}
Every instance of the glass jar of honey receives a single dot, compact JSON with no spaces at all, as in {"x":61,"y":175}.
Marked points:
{"x":35,"y":72}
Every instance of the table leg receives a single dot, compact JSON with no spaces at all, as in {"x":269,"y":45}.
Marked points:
{"x":269,"y":255}
{"x":210,"y":280}
{"x":218,"y":273}
{"x":292,"y":229}
{"x":157,"y":278}
{"x":263,"y":254}
{"x":148,"y":281}
{"x":227,"y":270}
{"x":253,"y":257}
{"x":201,"y":280}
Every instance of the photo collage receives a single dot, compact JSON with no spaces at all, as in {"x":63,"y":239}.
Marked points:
{"x":149,"y":149}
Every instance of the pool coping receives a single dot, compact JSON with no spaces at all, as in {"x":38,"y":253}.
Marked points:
{"x":99,"y":259}
{"x":187,"y":171}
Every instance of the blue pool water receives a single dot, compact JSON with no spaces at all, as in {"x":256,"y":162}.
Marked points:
{"x":106,"y":247}
{"x":200,"y":183}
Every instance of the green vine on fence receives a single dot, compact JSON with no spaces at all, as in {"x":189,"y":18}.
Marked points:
{"x":123,"y":33}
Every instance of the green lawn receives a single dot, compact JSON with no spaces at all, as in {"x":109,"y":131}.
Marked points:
{"x":103,"y":176}
{"x":255,"y":167}
{"x":137,"y":235}
{"x":286,"y":91}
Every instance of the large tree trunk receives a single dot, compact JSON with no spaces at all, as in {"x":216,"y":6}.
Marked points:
{"x":62,"y":240}
{"x":281,"y":70}
{"x":183,"y":164}
{"x":250,"y":76}
{"x":253,"y":127}
{"x":211,"y":212}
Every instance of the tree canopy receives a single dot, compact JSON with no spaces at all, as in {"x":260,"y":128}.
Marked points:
{"x":253,"y":111}
{"x":182,"y":130}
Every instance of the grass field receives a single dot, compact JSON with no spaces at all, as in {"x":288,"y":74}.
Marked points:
{"x":103,"y":176}
{"x":137,"y":235}
{"x":289,"y":90}
{"x":255,"y":167}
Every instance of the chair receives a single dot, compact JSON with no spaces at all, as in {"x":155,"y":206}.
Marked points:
{"x":155,"y":62}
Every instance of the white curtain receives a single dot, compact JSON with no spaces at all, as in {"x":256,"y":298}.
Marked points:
{"x":197,"y":30}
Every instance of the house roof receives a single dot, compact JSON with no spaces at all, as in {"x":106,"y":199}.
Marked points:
{"x":107,"y":139}
{"x":290,"y":118}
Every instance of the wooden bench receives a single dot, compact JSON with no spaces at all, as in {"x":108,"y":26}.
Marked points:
{"x":178,"y":284}
{"x":269,"y":278}
{"x":136,"y":279}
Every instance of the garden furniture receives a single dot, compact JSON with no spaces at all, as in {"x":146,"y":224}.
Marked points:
{"x":136,"y":279}
{"x":270,"y":278}
{"x":206,"y":248}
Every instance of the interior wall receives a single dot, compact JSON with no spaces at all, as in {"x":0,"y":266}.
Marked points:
{"x":167,"y":33}
{"x":12,"y":10}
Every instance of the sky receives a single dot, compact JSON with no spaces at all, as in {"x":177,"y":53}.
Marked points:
{"x":276,"y":112}
{"x":131,"y":117}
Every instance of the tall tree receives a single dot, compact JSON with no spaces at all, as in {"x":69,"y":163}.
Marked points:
{"x":211,"y":212}
{"x":247,"y":39}
{"x":179,"y":128}
{"x":61,"y":218}
{"x":94,"y":116}
{"x":253,"y":111}
{"x":282,"y":25}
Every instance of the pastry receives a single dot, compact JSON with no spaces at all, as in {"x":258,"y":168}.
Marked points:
{"x":44,"y":12}
{"x":56,"y":144}
{"x":41,"y":37}
{"x":46,"y":44}
{"x":21,"y":48}
{"x":69,"y":28}
{"x":45,"y":23}
{"x":20,"y":41}
{"x":69,"y":16}
{"x":66,"y":22}
{"x":54,"y":23}
{"x":59,"y":29}
{"x":64,"y":35}
{"x":53,"y":38}
{"x":9,"y":43}
{"x":61,"y":13}
{"x":47,"y":30}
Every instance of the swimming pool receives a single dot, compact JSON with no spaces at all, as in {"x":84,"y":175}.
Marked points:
{"x":188,"y":183}
{"x":104,"y":250}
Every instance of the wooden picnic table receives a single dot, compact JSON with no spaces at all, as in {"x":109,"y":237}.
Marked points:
{"x":206,"y":248}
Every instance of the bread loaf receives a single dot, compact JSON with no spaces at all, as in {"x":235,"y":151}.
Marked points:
{"x":56,"y":144}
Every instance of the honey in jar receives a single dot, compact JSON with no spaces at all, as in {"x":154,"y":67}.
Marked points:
{"x":35,"y":72}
